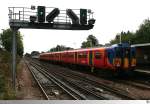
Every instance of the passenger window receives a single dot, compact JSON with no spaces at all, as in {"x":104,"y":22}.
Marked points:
{"x":98,"y":55}
{"x":70,"y":55}
{"x":82,"y":55}
{"x":133,"y":54}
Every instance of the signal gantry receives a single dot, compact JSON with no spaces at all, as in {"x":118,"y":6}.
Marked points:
{"x":42,"y":17}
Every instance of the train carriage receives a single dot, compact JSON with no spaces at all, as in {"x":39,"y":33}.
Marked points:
{"x":117,"y":58}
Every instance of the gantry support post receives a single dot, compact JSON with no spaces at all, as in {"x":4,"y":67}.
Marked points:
{"x":14,"y":52}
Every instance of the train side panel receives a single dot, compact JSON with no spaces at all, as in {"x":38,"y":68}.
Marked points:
{"x":82,"y":58}
{"x":99,"y":58}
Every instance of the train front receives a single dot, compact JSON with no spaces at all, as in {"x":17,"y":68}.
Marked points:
{"x":124,"y":60}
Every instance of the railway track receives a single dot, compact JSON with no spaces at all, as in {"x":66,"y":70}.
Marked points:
{"x":90,"y":85}
{"x":100,"y":87}
{"x":86,"y":94}
{"x":139,"y":81}
{"x":41,"y":77}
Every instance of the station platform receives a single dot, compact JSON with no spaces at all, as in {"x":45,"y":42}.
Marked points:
{"x":146,"y":71}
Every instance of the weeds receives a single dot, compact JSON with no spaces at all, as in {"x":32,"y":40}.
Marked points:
{"x":6,"y":91}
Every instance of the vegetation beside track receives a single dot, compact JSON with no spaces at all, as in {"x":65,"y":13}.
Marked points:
{"x":6,"y":91}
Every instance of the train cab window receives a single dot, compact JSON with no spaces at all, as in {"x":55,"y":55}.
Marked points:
{"x":98,"y":55}
{"x":118,"y":52}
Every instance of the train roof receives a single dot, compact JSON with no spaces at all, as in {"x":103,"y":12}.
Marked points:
{"x":91,"y":48}
{"x":78,"y":50}
{"x":141,"y":45}
{"x":121,"y":45}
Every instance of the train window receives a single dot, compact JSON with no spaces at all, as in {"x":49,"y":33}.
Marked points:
{"x":56,"y":55}
{"x":50,"y":56}
{"x":133,"y":54}
{"x":82,"y":55}
{"x":98,"y":55}
{"x":70,"y":55}
{"x":64,"y":55}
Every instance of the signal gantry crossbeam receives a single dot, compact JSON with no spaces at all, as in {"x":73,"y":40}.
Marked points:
{"x":42,"y":17}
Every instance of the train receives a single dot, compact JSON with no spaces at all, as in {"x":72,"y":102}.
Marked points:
{"x":35,"y":54}
{"x":118,"y":58}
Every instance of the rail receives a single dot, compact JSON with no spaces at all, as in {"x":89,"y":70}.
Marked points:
{"x":73,"y":93}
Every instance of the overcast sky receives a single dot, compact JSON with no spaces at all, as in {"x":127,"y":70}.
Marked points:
{"x":112,"y":17}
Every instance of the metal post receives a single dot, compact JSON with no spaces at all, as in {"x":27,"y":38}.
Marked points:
{"x":120,"y":38}
{"x":23,"y":14}
{"x":19,"y":15}
{"x":91,"y":43}
{"x":14,"y":48}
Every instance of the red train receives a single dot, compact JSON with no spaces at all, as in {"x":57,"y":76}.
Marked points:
{"x":117,"y":58}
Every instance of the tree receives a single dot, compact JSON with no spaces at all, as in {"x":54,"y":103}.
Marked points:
{"x":143,"y":33}
{"x":0,"y":41}
{"x":84,"y":44}
{"x":91,"y":41}
{"x":6,"y":39}
{"x":59,"y":48}
{"x":126,"y":37}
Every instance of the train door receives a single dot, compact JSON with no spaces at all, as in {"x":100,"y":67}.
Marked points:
{"x":110,"y":55}
{"x":133,"y":57}
{"x":90,"y":58}
{"x":126,"y":57}
{"x":75,"y":57}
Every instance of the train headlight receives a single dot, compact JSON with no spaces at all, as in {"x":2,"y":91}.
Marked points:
{"x":117,"y":62}
{"x":133,"y":62}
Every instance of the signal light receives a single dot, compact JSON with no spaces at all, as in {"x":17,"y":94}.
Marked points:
{"x":83,"y":16}
{"x":41,"y":13}
{"x":73,"y":16}
{"x":50,"y":17}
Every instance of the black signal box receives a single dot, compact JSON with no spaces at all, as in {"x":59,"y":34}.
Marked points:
{"x":41,"y":13}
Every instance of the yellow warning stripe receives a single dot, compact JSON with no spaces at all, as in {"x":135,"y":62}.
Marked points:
{"x":126,"y":63}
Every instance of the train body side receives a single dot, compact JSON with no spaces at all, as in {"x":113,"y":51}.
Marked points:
{"x":111,"y":58}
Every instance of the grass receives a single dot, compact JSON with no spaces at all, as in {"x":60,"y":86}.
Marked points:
{"x":6,"y":91}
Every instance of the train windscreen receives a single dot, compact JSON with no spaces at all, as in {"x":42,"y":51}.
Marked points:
{"x":118,"y":52}
{"x":127,"y":52}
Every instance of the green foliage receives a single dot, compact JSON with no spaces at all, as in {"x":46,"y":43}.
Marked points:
{"x":126,"y":37}
{"x":59,"y":48}
{"x":6,"y":91}
{"x":91,"y":41}
{"x":2,"y":84}
{"x":142,"y":35}
{"x":6,"y":41}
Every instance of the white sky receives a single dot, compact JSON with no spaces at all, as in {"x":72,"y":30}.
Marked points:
{"x":112,"y":17}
